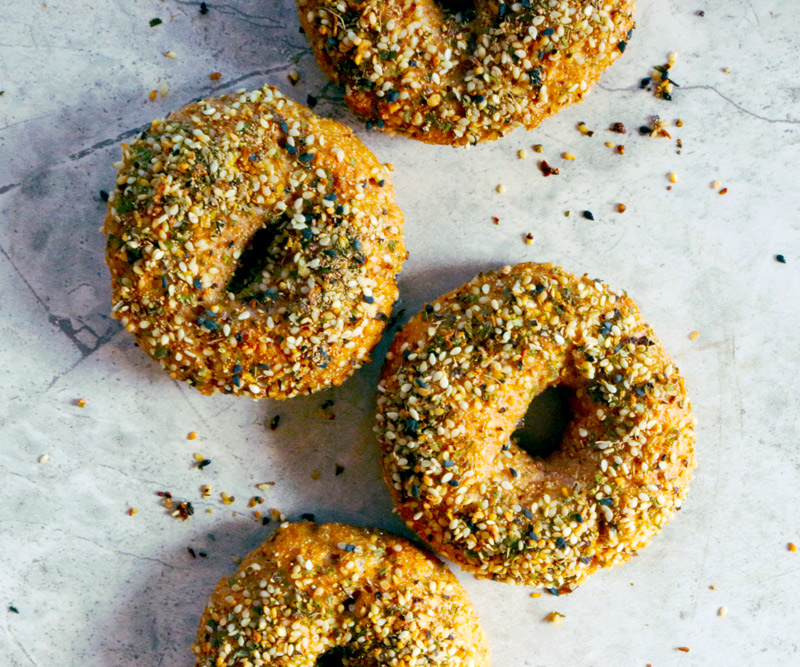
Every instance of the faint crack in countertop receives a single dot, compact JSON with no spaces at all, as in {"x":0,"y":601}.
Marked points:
{"x":788,"y":121}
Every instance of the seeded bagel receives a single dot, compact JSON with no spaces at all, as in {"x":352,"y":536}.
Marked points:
{"x":253,"y":246}
{"x":460,"y":376}
{"x":414,"y":67}
{"x":368,"y":597}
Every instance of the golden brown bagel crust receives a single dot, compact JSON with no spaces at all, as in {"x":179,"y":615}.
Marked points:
{"x":460,"y":376}
{"x":309,"y":589}
{"x":253,"y":173}
{"x":418,"y":70}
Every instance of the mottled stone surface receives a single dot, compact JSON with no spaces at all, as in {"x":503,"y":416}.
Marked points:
{"x":94,"y":586}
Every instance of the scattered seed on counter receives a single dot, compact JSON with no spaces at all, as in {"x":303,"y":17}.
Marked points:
{"x":588,"y":215}
{"x":255,"y":500}
{"x":673,"y":177}
{"x":191,"y":435}
{"x":215,"y":75}
{"x":685,"y":649}
{"x":529,"y":238}
{"x":619,"y":128}
{"x":264,"y":485}
{"x":555,"y":618}
{"x":132,"y":511}
{"x":153,"y":94}
{"x":316,"y":474}
{"x":203,"y":8}
{"x":103,"y":195}
{"x":495,"y":220}
{"x":522,"y":154}
{"x":716,"y":185}
{"x":13,"y":609}
{"x":163,"y":90}
{"x":585,"y":130}
{"x":44,"y":458}
{"x":620,"y":149}
{"x":694,"y":335}
{"x":568,"y":156}
{"x":338,"y":470}
{"x":293,"y":77}
{"x":780,"y":258}
{"x":191,"y":552}
{"x":792,"y":547}
{"x":722,"y":611}
{"x":274,"y":422}
{"x":81,"y":402}
{"x":170,"y":54}
{"x":500,"y":188}
{"x":621,"y":208}
{"x":724,"y":191}
{"x":205,"y":491}
{"x":537,"y":148}
{"x":155,"y":22}
{"x":547,"y":170}
{"x":226,"y":499}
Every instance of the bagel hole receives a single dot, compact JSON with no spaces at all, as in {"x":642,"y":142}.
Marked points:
{"x":332,"y":658}
{"x":463,"y":10}
{"x":253,"y":258}
{"x":541,"y":430}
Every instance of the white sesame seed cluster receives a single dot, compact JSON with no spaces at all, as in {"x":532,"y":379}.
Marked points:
{"x":253,"y":246}
{"x":310,"y":589}
{"x":416,"y":68}
{"x":460,"y":376}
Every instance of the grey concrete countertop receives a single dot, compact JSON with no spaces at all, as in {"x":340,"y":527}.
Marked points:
{"x":84,"y":583}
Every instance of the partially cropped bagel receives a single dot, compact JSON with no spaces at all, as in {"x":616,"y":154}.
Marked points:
{"x":416,"y":67}
{"x":460,"y":376}
{"x":367,"y":597}
{"x":253,"y":246}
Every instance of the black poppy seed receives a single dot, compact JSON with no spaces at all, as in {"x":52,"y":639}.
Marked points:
{"x":197,"y":283}
{"x":291,"y":150}
{"x":338,"y":470}
{"x":103,"y":195}
{"x":369,"y":125}
{"x":237,"y":369}
{"x":621,"y":46}
{"x":448,"y":463}
{"x":780,"y":258}
{"x":548,"y":32}
{"x":453,"y":482}
{"x":311,"y":101}
{"x":608,"y":502}
{"x":368,"y":299}
{"x":203,"y":8}
{"x":284,"y":127}
{"x":553,"y":591}
{"x":392,"y":96}
{"x":191,"y":552}
{"x":306,"y":158}
{"x":13,"y":609}
{"x":588,"y":215}
{"x":349,"y":548}
{"x":527,"y":513}
{"x":513,"y":472}
{"x":273,"y":423}
{"x":380,"y":123}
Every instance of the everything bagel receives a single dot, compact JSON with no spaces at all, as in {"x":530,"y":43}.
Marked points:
{"x":460,"y":376}
{"x":253,"y":246}
{"x":309,"y":590}
{"x":416,"y":68}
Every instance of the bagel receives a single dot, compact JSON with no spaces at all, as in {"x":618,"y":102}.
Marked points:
{"x":253,"y":246}
{"x":460,"y":376}
{"x":416,"y":68}
{"x":372,"y":598}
